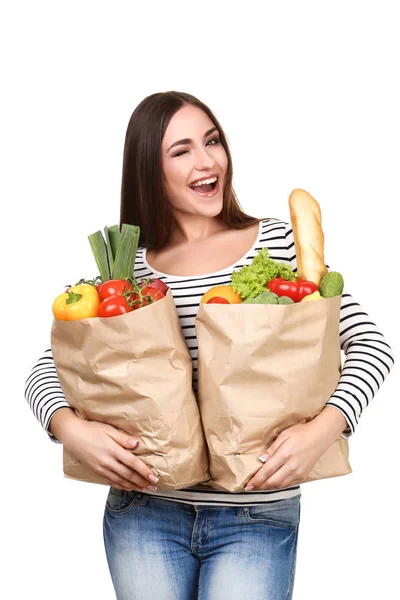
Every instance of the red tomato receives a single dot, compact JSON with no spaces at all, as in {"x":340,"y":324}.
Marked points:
{"x":218,"y":300}
{"x":113,"y":287}
{"x":113,"y":306}
{"x":149,"y":295}
{"x":157,"y":284}
{"x":281,"y":287}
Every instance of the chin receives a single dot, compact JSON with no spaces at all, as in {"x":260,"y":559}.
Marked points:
{"x":211,"y":213}
{"x":209,"y":209}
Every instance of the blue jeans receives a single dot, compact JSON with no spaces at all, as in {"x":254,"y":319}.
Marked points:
{"x":167,"y":550}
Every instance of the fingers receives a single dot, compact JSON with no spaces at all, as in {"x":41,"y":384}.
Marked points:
{"x":123,"y":439}
{"x":130,"y":468}
{"x":283,"y":477}
{"x":136,"y":464}
{"x":117,"y":473}
{"x":126,"y":465}
{"x":133,"y":474}
{"x":119,"y":482}
{"x":273,"y":463}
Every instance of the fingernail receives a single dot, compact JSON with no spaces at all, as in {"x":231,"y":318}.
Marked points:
{"x":151,"y":487}
{"x":248,"y":488}
{"x":133,"y":443}
{"x":154,"y":478}
{"x":263,"y":457}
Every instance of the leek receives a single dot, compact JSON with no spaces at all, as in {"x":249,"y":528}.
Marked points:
{"x":109,"y":250}
{"x":99,"y":249}
{"x":125,"y":258}
{"x":114,"y":237}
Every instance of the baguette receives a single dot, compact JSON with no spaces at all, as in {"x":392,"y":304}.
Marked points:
{"x":305,"y":215}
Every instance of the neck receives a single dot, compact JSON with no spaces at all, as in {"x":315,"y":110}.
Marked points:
{"x":194,"y":228}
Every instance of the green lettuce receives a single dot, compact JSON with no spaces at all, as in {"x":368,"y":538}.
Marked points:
{"x":252,"y":279}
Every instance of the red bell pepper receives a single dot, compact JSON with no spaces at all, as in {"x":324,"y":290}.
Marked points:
{"x":306,"y":288}
{"x":296,"y":290}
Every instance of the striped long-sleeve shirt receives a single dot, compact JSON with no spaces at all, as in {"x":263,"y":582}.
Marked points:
{"x":368,"y":357}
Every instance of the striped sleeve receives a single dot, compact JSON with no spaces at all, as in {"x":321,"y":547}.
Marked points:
{"x":368,"y":356}
{"x":43,"y":391}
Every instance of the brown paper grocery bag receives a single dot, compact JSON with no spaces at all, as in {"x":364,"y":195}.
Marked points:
{"x":263,"y":368}
{"x":134,"y":371}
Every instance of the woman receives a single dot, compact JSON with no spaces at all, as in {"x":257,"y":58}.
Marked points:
{"x":200,"y":543}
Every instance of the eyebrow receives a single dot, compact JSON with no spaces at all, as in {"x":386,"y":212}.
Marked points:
{"x":189,"y":141}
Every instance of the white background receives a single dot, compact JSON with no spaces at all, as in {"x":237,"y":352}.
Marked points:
{"x":307,"y":93}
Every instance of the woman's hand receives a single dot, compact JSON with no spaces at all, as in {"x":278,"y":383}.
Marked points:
{"x":104,"y":449}
{"x":291,"y":457}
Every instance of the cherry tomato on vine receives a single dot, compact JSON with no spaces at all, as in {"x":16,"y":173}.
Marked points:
{"x":113,"y":306}
{"x":157,"y":284}
{"x":114,"y":287}
{"x":148,"y":295}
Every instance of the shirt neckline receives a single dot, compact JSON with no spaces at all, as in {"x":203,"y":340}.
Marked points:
{"x":230,"y":267}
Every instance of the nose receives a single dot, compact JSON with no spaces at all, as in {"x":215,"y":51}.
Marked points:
{"x":204,"y":160}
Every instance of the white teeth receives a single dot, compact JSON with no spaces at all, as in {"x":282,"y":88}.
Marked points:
{"x":203,"y":181}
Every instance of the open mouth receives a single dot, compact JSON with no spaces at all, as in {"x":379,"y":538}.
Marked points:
{"x":207,"y":189}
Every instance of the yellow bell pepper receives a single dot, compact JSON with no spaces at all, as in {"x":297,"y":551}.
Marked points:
{"x":313,"y":296}
{"x":79,"y":302}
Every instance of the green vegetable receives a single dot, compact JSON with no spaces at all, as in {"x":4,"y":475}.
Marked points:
{"x":115,"y":256}
{"x":126,"y":253}
{"x":252,"y":279}
{"x":266,"y":297}
{"x":99,"y":250}
{"x":332,"y":284}
{"x":110,"y":255}
{"x":114,"y":237}
{"x":285,"y":300}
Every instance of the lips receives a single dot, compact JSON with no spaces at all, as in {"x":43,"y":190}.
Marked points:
{"x":214,"y":192}
{"x":205,"y":177}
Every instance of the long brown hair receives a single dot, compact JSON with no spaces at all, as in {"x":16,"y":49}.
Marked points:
{"x":144,"y":200}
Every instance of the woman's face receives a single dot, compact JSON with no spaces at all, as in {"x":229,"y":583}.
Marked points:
{"x":201,"y":156}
